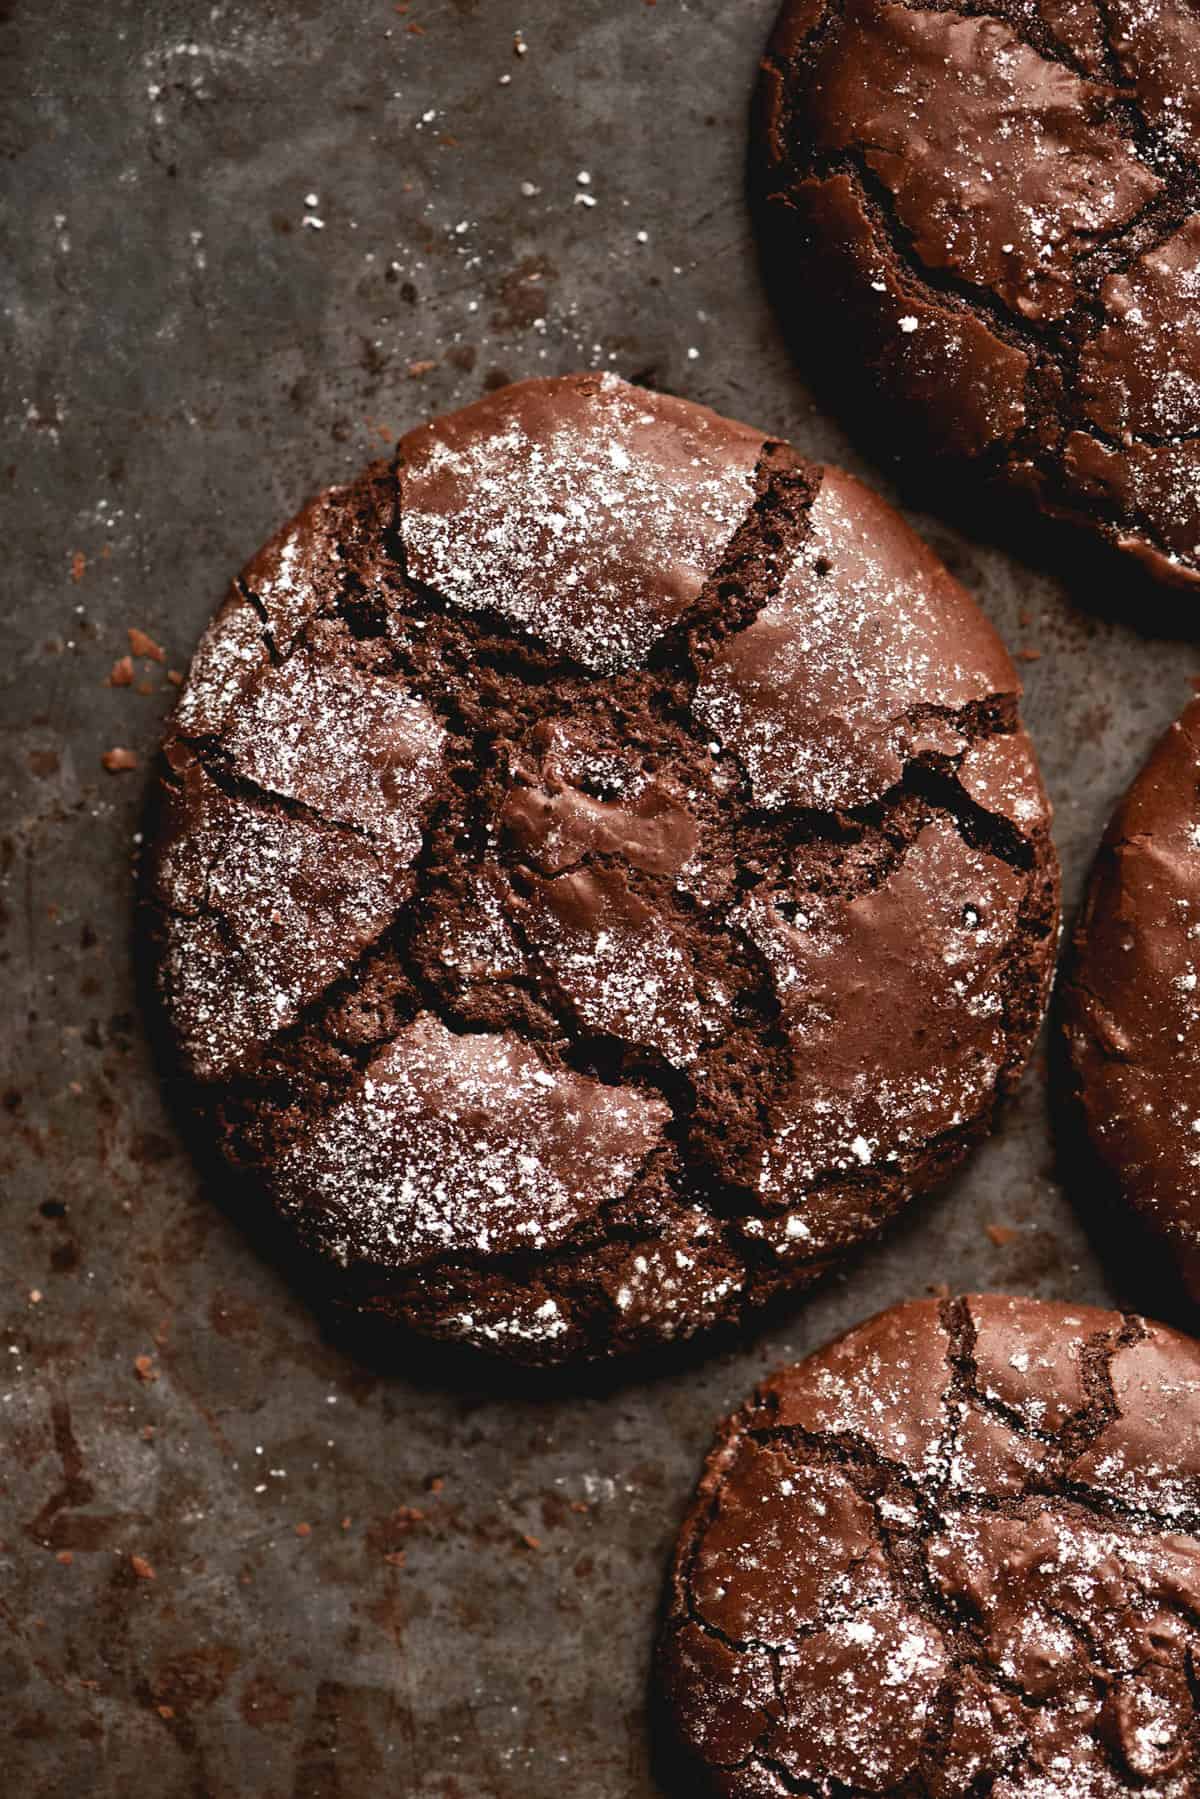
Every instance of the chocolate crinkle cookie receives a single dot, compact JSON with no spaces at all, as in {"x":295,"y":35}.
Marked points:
{"x":998,"y":214}
{"x":955,"y":1554}
{"x":601,"y":873}
{"x":1131,"y":1003}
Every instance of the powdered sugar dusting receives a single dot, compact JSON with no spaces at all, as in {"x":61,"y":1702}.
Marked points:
{"x":622,"y":968}
{"x":355,"y":747}
{"x":290,"y":579}
{"x":586,"y":511}
{"x":469,"y":1142}
{"x":841,"y":675}
{"x":680,"y":1283}
{"x":229,"y":655}
{"x":267,"y":911}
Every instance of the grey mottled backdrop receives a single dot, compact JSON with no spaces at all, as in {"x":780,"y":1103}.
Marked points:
{"x":246,"y":244}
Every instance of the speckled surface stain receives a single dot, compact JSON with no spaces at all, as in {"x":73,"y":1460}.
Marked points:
{"x":249,"y":245}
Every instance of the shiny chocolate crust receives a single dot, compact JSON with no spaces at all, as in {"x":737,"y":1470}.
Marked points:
{"x":601,"y":874}
{"x":997,"y":215}
{"x":956,"y":1553}
{"x":1131,"y":1004}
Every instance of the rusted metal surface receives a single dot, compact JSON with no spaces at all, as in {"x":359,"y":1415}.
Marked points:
{"x":248,"y":243}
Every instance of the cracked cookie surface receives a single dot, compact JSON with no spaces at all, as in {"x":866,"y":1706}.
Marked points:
{"x":1000,"y":209}
{"x":601,"y":873}
{"x":954,"y":1553}
{"x":1130,"y":1006}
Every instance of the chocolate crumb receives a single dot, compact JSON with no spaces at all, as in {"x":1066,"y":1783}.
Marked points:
{"x":143,"y":645}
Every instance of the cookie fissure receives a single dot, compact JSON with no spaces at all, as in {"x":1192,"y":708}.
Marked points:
{"x":221,"y":770}
{"x":1025,"y":21}
{"x":1053,"y":348}
{"x":754,"y":565}
{"x":608,"y":1059}
{"x":1115,"y":252}
{"x":937,"y":282}
{"x":1116,"y":93}
{"x":256,"y":605}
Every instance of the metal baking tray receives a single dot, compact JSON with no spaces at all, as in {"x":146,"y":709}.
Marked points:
{"x":249,"y":243}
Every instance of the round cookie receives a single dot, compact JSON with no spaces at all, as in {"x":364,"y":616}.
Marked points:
{"x":1130,"y":1003}
{"x":954,"y":1553}
{"x":1000,"y":213}
{"x":601,"y":873}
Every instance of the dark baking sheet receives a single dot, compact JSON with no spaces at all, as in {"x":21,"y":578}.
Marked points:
{"x":192,"y":356}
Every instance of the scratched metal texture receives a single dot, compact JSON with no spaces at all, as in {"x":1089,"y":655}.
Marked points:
{"x":247,"y":243}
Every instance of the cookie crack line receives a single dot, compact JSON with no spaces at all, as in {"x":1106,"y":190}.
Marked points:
{"x":576,"y":1045}
{"x":1149,"y":439}
{"x":1052,"y":346}
{"x":1026,"y":24}
{"x":725,"y":1210}
{"x":774,"y":491}
{"x":940,"y":283}
{"x":1117,"y":91}
{"x":256,"y":605}
{"x":1121,"y":105}
{"x":850,"y":1450}
{"x":1076,"y":1434}
{"x":219,"y":766}
{"x":784,"y":486}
